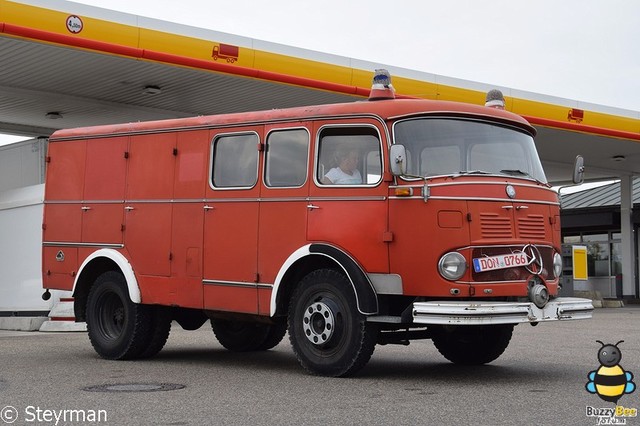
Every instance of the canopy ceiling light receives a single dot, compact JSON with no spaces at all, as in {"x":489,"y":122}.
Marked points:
{"x":53,"y":115}
{"x":151,"y":90}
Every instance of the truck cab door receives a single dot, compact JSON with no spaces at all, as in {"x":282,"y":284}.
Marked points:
{"x":283,"y":202}
{"x":350,"y":211}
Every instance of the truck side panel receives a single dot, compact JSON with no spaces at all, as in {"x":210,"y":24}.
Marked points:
{"x":102,"y":218}
{"x":188,"y":218}
{"x":149,"y":192}
{"x":62,"y":222}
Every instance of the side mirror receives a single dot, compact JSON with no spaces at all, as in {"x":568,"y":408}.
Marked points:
{"x":578,"y":170}
{"x":398,"y":160}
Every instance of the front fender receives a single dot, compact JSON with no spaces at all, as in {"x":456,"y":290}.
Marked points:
{"x":366,"y":297}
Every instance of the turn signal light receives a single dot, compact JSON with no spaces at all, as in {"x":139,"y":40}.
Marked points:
{"x":404,"y":192}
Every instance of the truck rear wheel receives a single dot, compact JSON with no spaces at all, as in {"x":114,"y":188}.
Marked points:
{"x":118,"y":328}
{"x":239,"y":336}
{"x":159,"y":331}
{"x":472,"y":345}
{"x":328,"y":334}
{"x":274,"y":336}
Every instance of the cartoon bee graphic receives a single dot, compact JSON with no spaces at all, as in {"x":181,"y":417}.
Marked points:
{"x":610,"y":381}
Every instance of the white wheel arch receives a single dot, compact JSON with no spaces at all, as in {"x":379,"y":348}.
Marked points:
{"x":293,"y":258}
{"x":124,"y":266}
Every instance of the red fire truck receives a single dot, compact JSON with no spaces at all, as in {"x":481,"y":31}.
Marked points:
{"x":348,"y":225}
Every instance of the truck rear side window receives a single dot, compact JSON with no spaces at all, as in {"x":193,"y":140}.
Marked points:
{"x":286,"y":158}
{"x":235,"y":161}
{"x":349,"y":156}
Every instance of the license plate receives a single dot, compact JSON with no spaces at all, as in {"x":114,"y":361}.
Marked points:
{"x":503,"y":261}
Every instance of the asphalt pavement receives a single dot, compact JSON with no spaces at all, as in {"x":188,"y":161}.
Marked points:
{"x":57,"y":378}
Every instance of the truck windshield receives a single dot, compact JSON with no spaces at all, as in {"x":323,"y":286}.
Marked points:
{"x":453,"y":146}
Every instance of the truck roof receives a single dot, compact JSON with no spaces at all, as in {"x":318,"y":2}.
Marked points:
{"x":385,"y":109}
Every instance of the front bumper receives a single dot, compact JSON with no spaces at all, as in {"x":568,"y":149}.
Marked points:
{"x":489,"y":313}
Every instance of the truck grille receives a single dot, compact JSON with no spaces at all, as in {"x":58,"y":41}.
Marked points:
{"x":495,"y":226}
{"x":531,"y":227}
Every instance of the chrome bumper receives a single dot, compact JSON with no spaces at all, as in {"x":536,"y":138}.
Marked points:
{"x":488,"y":313}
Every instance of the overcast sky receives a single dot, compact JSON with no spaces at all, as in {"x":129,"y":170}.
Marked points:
{"x":585,"y":50}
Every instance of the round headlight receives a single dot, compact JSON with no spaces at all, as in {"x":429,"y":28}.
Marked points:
{"x":452,"y":266}
{"x":557,"y":265}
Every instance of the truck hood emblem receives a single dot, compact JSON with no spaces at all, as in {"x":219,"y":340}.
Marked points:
{"x":534,"y":256}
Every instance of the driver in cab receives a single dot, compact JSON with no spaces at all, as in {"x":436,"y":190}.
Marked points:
{"x":346,"y":172}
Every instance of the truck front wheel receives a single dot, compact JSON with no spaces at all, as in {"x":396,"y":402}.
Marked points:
{"x":472,"y":345}
{"x":118,"y":328}
{"x":328,"y":334}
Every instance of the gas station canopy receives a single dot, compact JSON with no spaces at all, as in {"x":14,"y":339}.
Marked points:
{"x":69,"y":65}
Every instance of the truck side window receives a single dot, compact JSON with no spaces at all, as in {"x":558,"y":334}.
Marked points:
{"x":286,"y":158}
{"x":349,"y":156}
{"x":235,"y":161}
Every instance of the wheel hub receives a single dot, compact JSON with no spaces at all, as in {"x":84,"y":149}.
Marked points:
{"x":118,"y":316}
{"x":318,"y":323}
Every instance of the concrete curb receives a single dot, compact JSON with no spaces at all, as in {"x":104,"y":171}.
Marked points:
{"x":62,"y":318}
{"x":22,"y":323}
{"x":597,"y":299}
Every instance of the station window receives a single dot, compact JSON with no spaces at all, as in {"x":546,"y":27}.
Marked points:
{"x":349,"y":156}
{"x":287,"y":158}
{"x":598,"y":254}
{"x":604,"y":258}
{"x":235,"y":161}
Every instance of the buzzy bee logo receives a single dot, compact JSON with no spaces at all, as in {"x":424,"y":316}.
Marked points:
{"x":610,"y":382}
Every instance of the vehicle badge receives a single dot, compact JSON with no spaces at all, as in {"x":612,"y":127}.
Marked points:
{"x":535,"y":265}
{"x":511,"y":191}
{"x":60,"y":256}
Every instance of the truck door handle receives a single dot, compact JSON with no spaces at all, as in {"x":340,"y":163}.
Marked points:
{"x":312,"y":207}
{"x":522,"y":207}
{"x":85,"y":208}
{"x":207,"y":208}
{"x":507,"y":207}
{"x":128,"y":208}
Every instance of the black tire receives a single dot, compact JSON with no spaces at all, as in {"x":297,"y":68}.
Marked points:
{"x":274,"y":336}
{"x":240,"y":336}
{"x":159,"y":333}
{"x":472,"y":345}
{"x":118,"y":328}
{"x":328,"y":334}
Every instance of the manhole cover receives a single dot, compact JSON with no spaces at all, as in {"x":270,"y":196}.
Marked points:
{"x":134,"y":387}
